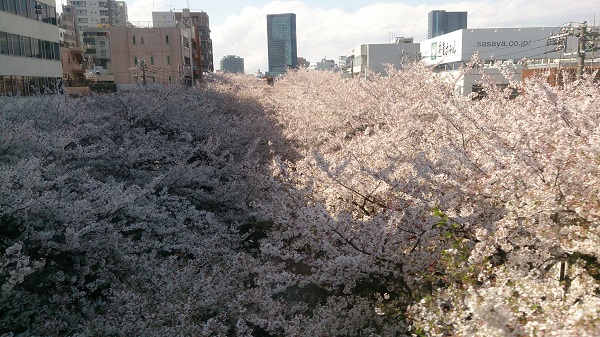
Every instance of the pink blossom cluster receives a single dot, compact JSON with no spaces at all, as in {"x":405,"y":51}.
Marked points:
{"x":319,"y":206}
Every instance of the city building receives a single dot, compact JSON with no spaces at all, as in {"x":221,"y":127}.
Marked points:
{"x":67,"y":20}
{"x":369,"y":59}
{"x":91,"y":13}
{"x":282,"y":43}
{"x":232,"y":64}
{"x":512,"y":47}
{"x":441,"y":22}
{"x":204,"y":48}
{"x":97,"y":45}
{"x":29,"y":48}
{"x":72,"y":55}
{"x":302,"y":62}
{"x":162,"y":54}
{"x":326,"y":65}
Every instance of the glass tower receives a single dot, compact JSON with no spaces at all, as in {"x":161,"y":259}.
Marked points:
{"x":281,"y":40}
{"x":442,"y":22}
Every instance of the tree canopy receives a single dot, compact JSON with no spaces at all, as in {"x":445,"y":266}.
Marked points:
{"x":319,"y":206}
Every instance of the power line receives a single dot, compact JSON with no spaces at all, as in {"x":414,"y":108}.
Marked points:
{"x":587,"y":41}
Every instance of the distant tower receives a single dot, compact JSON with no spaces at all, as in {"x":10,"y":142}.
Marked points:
{"x":281,"y":40}
{"x":442,"y":22}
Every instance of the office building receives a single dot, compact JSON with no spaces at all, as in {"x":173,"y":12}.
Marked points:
{"x":442,"y":22}
{"x":281,"y":41}
{"x":232,"y":64}
{"x":29,"y":48}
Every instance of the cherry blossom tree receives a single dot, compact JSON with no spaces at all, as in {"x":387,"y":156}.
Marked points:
{"x":319,"y":206}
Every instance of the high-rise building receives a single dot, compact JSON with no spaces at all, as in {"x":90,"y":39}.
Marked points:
{"x":232,"y":64}
{"x":29,"y":48}
{"x":281,"y":40}
{"x":442,"y":22}
{"x":92,"y":13}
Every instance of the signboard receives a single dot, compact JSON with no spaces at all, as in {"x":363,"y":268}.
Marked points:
{"x":492,"y":44}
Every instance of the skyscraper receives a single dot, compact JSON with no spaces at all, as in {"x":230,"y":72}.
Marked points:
{"x":442,"y":22}
{"x":281,"y":40}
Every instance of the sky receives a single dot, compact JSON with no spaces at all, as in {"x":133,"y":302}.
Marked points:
{"x":327,"y":29}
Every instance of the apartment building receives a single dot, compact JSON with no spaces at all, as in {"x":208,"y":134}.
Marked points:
{"x":92,"y":13}
{"x":204,"y":48}
{"x":160,"y":54}
{"x":29,"y":48}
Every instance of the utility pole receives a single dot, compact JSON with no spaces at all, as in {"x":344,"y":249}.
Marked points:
{"x":581,"y":50}
{"x":587,"y":41}
{"x":143,"y":67}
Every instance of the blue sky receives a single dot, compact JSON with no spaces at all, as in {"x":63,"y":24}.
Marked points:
{"x":328,"y":29}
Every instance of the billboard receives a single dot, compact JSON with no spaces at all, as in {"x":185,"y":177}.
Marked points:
{"x":493,"y":44}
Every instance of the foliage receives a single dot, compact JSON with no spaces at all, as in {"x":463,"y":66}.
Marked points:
{"x":319,"y":206}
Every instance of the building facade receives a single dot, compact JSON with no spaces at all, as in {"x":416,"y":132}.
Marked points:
{"x":154,"y":55}
{"x":441,"y":22}
{"x":282,"y":43}
{"x":29,"y":48}
{"x":326,"y":65}
{"x":512,"y":47}
{"x":97,"y":45}
{"x":370,"y":59}
{"x":232,"y":64}
{"x":91,"y":13}
{"x":204,"y":49}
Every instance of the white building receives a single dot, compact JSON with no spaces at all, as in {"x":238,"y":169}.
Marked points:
{"x":326,"y":65}
{"x":369,"y":59}
{"x":449,"y":53}
{"x":29,"y":48}
{"x":92,"y":13}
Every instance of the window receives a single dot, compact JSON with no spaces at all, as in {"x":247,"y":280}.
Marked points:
{"x":42,"y":10}
{"x":22,"y":4}
{"x":49,"y":50}
{"x":56,"y":48}
{"x":15,"y":47}
{"x":152,"y":60}
{"x":133,"y":40}
{"x":135,"y":60}
{"x":26,"y":46}
{"x":3,"y":43}
{"x":103,"y":53}
{"x":35,"y":48}
{"x":169,"y":60}
{"x":11,"y":6}
{"x":167,"y":39}
{"x":141,"y":39}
